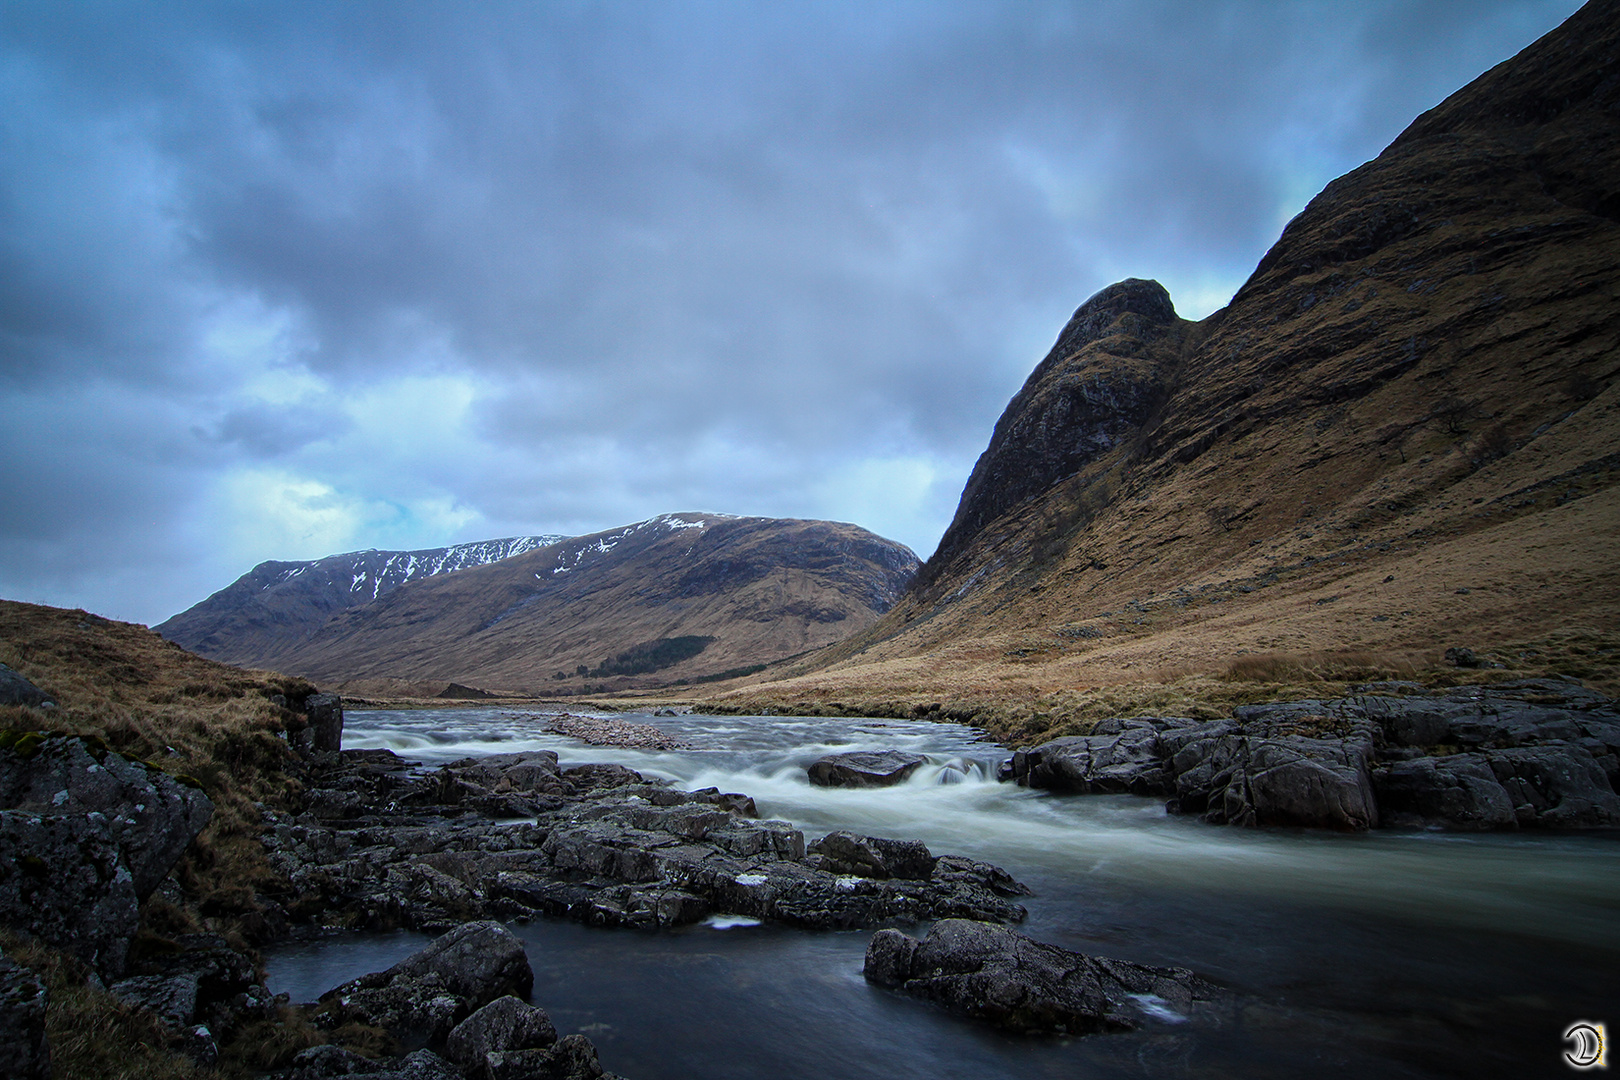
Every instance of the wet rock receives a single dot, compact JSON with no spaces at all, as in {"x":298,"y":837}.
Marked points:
{"x":25,"y":1053}
{"x":571,"y":1058}
{"x":325,"y":712}
{"x":480,"y":961}
{"x":614,"y":850}
{"x":865,"y":768}
{"x":504,"y":1024}
{"x":1120,"y":756}
{"x":1383,"y":756}
{"x":63,"y":880}
{"x":1556,"y":785}
{"x":1000,"y":977}
{"x":151,"y":815}
{"x":874,"y":857}
{"x":17,"y":690}
{"x":1455,"y":792}
{"x":1280,"y":780}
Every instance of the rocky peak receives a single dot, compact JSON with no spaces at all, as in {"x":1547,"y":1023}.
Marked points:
{"x":1099,"y":384}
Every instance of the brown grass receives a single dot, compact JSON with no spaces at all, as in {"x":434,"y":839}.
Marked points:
{"x":189,"y":717}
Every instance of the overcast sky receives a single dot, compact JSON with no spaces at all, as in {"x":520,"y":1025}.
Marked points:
{"x":286,"y":279}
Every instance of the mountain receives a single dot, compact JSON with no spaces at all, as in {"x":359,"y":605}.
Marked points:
{"x":275,"y":606}
{"x":1402,"y":434}
{"x":682,"y":596}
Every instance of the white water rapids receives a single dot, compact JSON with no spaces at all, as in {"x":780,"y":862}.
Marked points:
{"x":1402,"y":953}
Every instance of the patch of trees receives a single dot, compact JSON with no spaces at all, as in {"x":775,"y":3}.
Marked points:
{"x":650,"y":656}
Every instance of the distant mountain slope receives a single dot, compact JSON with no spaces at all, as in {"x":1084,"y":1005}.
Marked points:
{"x":276,"y":605}
{"x":1403,"y":433}
{"x":679,"y":596}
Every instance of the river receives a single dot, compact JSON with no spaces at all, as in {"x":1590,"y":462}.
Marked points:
{"x":1388,"y":954}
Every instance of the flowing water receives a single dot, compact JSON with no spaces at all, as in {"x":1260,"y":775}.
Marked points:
{"x":1387,"y":954}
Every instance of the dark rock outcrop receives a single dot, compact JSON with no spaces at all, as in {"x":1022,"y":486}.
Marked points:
{"x":17,"y":690}
{"x":1001,"y":977}
{"x":1538,"y":753}
{"x":515,"y":836}
{"x":325,"y":712}
{"x":864,"y":768}
{"x":24,"y":1052}
{"x":1101,"y":381}
{"x":63,"y":880}
{"x":151,"y":816}
{"x":505,"y":1024}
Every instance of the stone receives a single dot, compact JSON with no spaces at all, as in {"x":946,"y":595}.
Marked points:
{"x":63,"y":880}
{"x":320,"y":1062}
{"x":478,"y":960}
{"x":504,"y":1024}
{"x":1127,"y":759}
{"x":17,"y":690}
{"x":1458,"y":791}
{"x":424,"y":996}
{"x":1003,"y":978}
{"x":423,"y":851}
{"x":151,"y":815}
{"x":864,"y":768}
{"x":573,"y":1057}
{"x":1556,"y":785}
{"x":25,"y":1053}
{"x":325,"y":712}
{"x":173,"y":998}
{"x":844,"y":852}
{"x":1283,"y":780}
{"x":1463,"y":657}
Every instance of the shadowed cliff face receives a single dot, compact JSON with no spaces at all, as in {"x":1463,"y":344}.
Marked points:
{"x":1094,"y":391}
{"x":1404,"y":429}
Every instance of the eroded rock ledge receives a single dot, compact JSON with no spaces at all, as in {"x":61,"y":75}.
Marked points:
{"x":515,"y":836}
{"x":1537,"y":753}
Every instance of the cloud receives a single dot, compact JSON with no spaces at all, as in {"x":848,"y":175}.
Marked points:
{"x":400,"y":274}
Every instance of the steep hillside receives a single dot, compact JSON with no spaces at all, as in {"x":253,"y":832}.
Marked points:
{"x":1402,"y":434}
{"x":274,"y":607}
{"x":678,"y":597}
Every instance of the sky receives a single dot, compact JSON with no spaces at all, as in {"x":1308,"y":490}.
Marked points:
{"x":280,"y":280}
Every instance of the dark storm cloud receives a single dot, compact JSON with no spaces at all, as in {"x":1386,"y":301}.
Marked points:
{"x":399,"y":274}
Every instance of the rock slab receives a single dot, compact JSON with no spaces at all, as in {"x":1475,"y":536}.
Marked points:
{"x":1003,"y":978}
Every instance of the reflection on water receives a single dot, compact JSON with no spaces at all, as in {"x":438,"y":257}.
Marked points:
{"x":1392,"y":953}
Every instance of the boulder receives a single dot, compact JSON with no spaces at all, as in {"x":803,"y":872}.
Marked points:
{"x":995,"y":975}
{"x":1281,"y":780}
{"x":423,"y":997}
{"x":1120,"y":756}
{"x":1556,"y":785}
{"x":173,"y":998}
{"x":151,"y":815}
{"x":24,"y":1052}
{"x":571,"y":1058}
{"x":1458,"y":791}
{"x":325,"y":712}
{"x":870,"y":856}
{"x":504,"y":1024}
{"x":864,"y":768}
{"x":17,"y":690}
{"x":63,"y":880}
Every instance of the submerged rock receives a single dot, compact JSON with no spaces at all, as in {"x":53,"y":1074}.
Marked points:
{"x":995,"y":975}
{"x":864,"y":768}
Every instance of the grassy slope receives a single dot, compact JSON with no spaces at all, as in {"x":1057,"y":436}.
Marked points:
{"x":149,"y":698}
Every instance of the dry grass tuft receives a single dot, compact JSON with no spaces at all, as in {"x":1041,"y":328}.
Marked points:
{"x":92,"y":1034}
